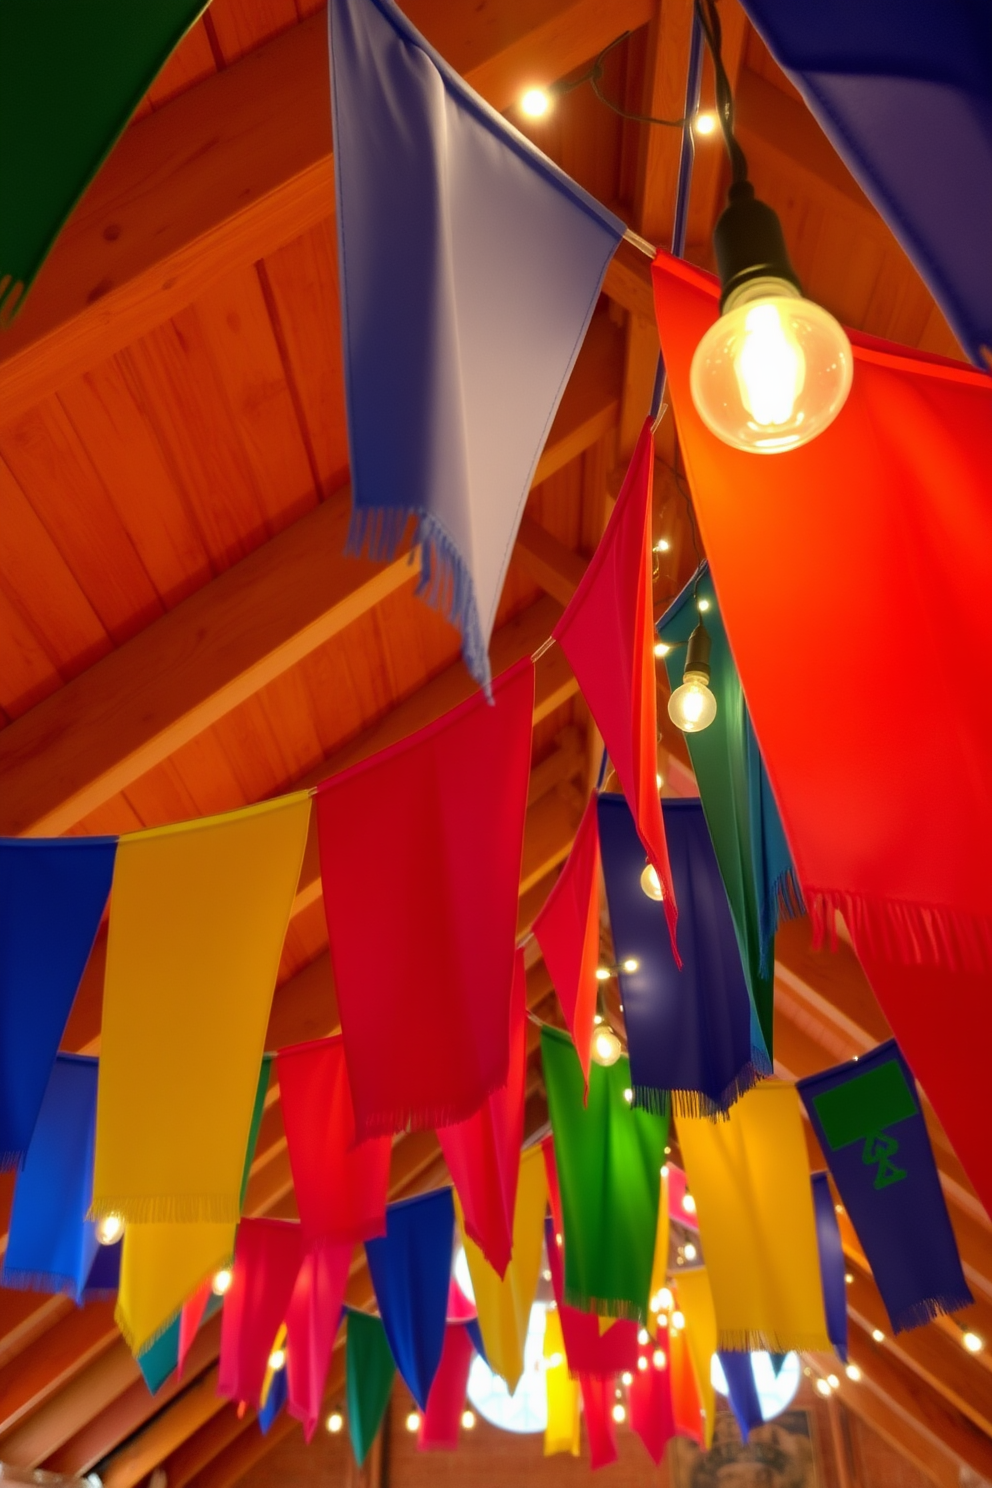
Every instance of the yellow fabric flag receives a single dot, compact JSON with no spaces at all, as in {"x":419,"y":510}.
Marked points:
{"x":197,"y":922}
{"x":696,"y":1305}
{"x":749,"y":1175}
{"x":504,"y":1304}
{"x":162,"y":1265}
{"x":563,"y":1432}
{"x":659,"y":1268}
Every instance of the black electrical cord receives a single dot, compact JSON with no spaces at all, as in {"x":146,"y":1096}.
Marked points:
{"x":593,"y":78}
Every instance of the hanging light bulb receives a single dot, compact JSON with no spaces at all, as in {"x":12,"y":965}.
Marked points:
{"x":468,"y":1420}
{"x":109,"y":1229}
{"x":535,"y":103}
{"x":277,"y":1359}
{"x":692,"y":707}
{"x":603,"y":973}
{"x":651,"y":883}
{"x":335,"y":1422}
{"x":221,"y":1283}
{"x":606,"y":1047}
{"x":775,"y":370}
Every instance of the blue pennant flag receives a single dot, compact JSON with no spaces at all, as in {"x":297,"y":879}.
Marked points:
{"x":411,"y":1272}
{"x":867,"y":1118}
{"x":469,"y":266}
{"x":832,"y":1267}
{"x":52,"y":897}
{"x":274,"y":1400}
{"x":690,"y":1033}
{"x":742,"y":1392}
{"x":903,"y":88}
{"x":105,"y":1273}
{"x":52,"y":1245}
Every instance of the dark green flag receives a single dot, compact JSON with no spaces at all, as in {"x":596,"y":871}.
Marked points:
{"x":369,"y":1370}
{"x":257,"y":1112}
{"x":741,"y":814}
{"x":609,"y":1158}
{"x":72,"y":72}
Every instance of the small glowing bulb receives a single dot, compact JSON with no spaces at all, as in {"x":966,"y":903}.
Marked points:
{"x":973,"y":1342}
{"x":666,"y":1298}
{"x":662,"y":545}
{"x":277,"y":1359}
{"x":535,"y":103}
{"x":823,"y":1386}
{"x":692,"y":706}
{"x":603,"y":973}
{"x":705,"y":122}
{"x":606,"y":1049}
{"x":659,"y":779}
{"x":555,"y":1359}
{"x":690,"y":1251}
{"x":658,"y":1359}
{"x":668,"y":1151}
{"x":661,"y":648}
{"x":878,"y":1335}
{"x":642,"y":1363}
{"x":468,"y":1419}
{"x":221,"y":1283}
{"x":833,"y":1382}
{"x":619,"y":1414}
{"x":642,"y":1336}
{"x":335,"y":1422}
{"x":853,"y":1372}
{"x":109,"y":1229}
{"x":627,"y":1377}
{"x":413,"y":1421}
{"x":703,"y":604}
{"x":678,"y":1321}
{"x":664,"y":1170}
{"x":848,"y":1278}
{"x":688,"y":1203}
{"x":628,"y":1095}
{"x":838,"y":1208}
{"x":651,"y":883}
{"x":631,"y":964}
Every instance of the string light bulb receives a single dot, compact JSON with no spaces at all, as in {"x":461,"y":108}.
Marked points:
{"x":775,"y":370}
{"x":705,"y":122}
{"x":642,"y":1362}
{"x":878,"y":1335}
{"x":335,"y":1422}
{"x":833,"y":1382}
{"x":853,"y":1372}
{"x":535,"y":103}
{"x":109,"y":1229}
{"x":651,"y":883}
{"x":606,"y":1047}
{"x":631,"y":964}
{"x":692,"y":706}
{"x":468,"y":1420}
{"x":413,"y":1421}
{"x":619,"y":1414}
{"x":823,"y":1386}
{"x":972,"y":1341}
{"x":659,"y":1359}
{"x":627,"y":1378}
{"x":688,"y":1205}
{"x":220,"y":1285}
{"x":603,"y":973}
{"x":277,"y":1359}
{"x":690,"y":1251}
{"x":642,"y":1336}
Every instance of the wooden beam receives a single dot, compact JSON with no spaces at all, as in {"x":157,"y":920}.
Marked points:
{"x":236,"y":167}
{"x":53,"y":1360}
{"x":67,"y":1413}
{"x":556,"y":568}
{"x":873,"y":1408}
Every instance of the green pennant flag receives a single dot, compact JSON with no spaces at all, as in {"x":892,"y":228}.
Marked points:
{"x":257,"y":1112}
{"x":369,"y":1370}
{"x":609,"y":1158}
{"x":740,"y":810}
{"x":72,"y":72}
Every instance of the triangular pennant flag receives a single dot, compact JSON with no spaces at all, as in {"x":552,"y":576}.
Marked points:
{"x":567,"y":930}
{"x":832,"y":1265}
{"x":504,"y":1303}
{"x":267,"y":1260}
{"x":159,"y":1360}
{"x":563,"y":1432}
{"x":51,"y":1246}
{"x":258,"y":1111}
{"x":312,"y":1320}
{"x":741,"y":814}
{"x":71,"y":76}
{"x":659,"y":1265}
{"x":483,"y":1153}
{"x":432,"y":963}
{"x":52,"y":897}
{"x":369,"y":1374}
{"x":199,"y":919}
{"x":607,"y":633}
{"x":103,"y":1282}
{"x":275,"y":1399}
{"x":906,"y":866}
{"x":696,"y":1301}
{"x":501,"y":273}
{"x":650,"y":1398}
{"x":161,"y":1266}
{"x":440,"y":1423}
{"x":189,"y":1321}
{"x":742,"y":1392}
{"x":687,"y":1412}
{"x":340,"y":1185}
{"x":410,"y":1267}
{"x":597,"y":1407}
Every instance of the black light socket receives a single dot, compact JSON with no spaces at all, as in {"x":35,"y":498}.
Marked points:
{"x":697,"y":652}
{"x":749,"y":243}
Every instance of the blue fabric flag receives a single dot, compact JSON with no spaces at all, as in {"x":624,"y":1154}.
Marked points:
{"x":411,"y":1270}
{"x":903,"y":88}
{"x":161,"y":1358}
{"x":742,"y":1392}
{"x":105,"y":1273}
{"x":867,"y":1118}
{"x":52,"y":896}
{"x":470,"y":266}
{"x":52,"y":1246}
{"x":274,"y":1401}
{"x":832,"y":1267}
{"x":691,"y":1034}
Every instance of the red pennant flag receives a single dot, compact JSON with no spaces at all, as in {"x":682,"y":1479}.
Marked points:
{"x":420,"y":852}
{"x":607,"y":633}
{"x":446,"y":1401}
{"x":312,"y":1320}
{"x":598,"y":1398}
{"x":483,"y":1153}
{"x":687,"y":1409}
{"x":854,"y":576}
{"x":567,"y":930}
{"x":340,"y":1186}
{"x":189,"y":1322}
{"x":650,"y":1398}
{"x":267,"y":1257}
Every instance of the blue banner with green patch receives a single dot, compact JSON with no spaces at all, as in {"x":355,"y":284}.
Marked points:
{"x":866,"y":1114}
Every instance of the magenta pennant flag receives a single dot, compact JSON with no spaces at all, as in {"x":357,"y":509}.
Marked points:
{"x":567,"y":930}
{"x":597,"y":1407}
{"x":420,"y":853}
{"x":340,"y":1186}
{"x":311,"y":1326}
{"x":267,"y":1257}
{"x":189,"y":1323}
{"x":446,"y":1401}
{"x":483,"y":1153}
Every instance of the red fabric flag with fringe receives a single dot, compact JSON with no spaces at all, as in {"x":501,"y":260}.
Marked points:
{"x":446,"y":1401}
{"x":483,"y":1153}
{"x":312,"y":1320}
{"x":607,"y":633}
{"x":854,"y":576}
{"x":340,"y":1186}
{"x":597,"y":1406}
{"x":650,"y":1398}
{"x":267,"y":1257}
{"x":567,"y":930}
{"x":420,"y":853}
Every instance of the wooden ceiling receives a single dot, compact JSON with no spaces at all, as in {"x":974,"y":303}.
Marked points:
{"x":180,"y":634}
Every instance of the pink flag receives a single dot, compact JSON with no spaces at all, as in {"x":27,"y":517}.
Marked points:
{"x":267,"y":1256}
{"x":189,"y":1322}
{"x":597,"y":1406}
{"x":311,"y":1326}
{"x":650,"y":1398}
{"x":446,"y":1401}
{"x":567,"y":930}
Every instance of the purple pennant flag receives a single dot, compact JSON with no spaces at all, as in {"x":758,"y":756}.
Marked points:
{"x":832,"y":1267}
{"x":470,"y":266}
{"x":742,"y":1392}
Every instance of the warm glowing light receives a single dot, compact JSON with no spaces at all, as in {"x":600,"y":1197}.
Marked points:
{"x":973,"y":1342}
{"x":688,"y":1204}
{"x":642,"y":1336}
{"x":642,"y":1363}
{"x":627,"y":1377}
{"x":619,"y":1414}
{"x":668,"y":1151}
{"x":468,"y":1420}
{"x":109,"y":1229}
{"x":631,"y":964}
{"x":838,"y":1208}
{"x":659,"y":779}
{"x":823,"y":1386}
{"x":603,"y":973}
{"x":878,"y":1335}
{"x":277,"y":1359}
{"x":833,"y":1382}
{"x":662,"y":545}
{"x":692,"y":706}
{"x":849,"y":1278}
{"x":221,"y":1283}
{"x":853,"y":1372}
{"x":651,"y":883}
{"x":555,"y":1359}
{"x":705,"y":122}
{"x":535,"y":103}
{"x":678,"y":1321}
{"x":413,"y":1421}
{"x":664,"y":1170}
{"x":659,"y":1359}
{"x":661,"y":648}
{"x":606,"y":1047}
{"x":335,"y":1422}
{"x":628,"y":1095}
{"x":690,"y":1251}
{"x":666,"y":1298}
{"x":773,"y":372}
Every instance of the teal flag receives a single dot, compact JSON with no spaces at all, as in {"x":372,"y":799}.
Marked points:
{"x":369,"y":1371}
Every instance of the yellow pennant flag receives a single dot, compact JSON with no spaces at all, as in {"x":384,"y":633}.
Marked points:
{"x":161,"y":1266}
{"x":659,"y":1268}
{"x":563,"y":1432}
{"x":197,"y":921}
{"x":749,"y":1176}
{"x":696,"y":1305}
{"x":504,"y":1304}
